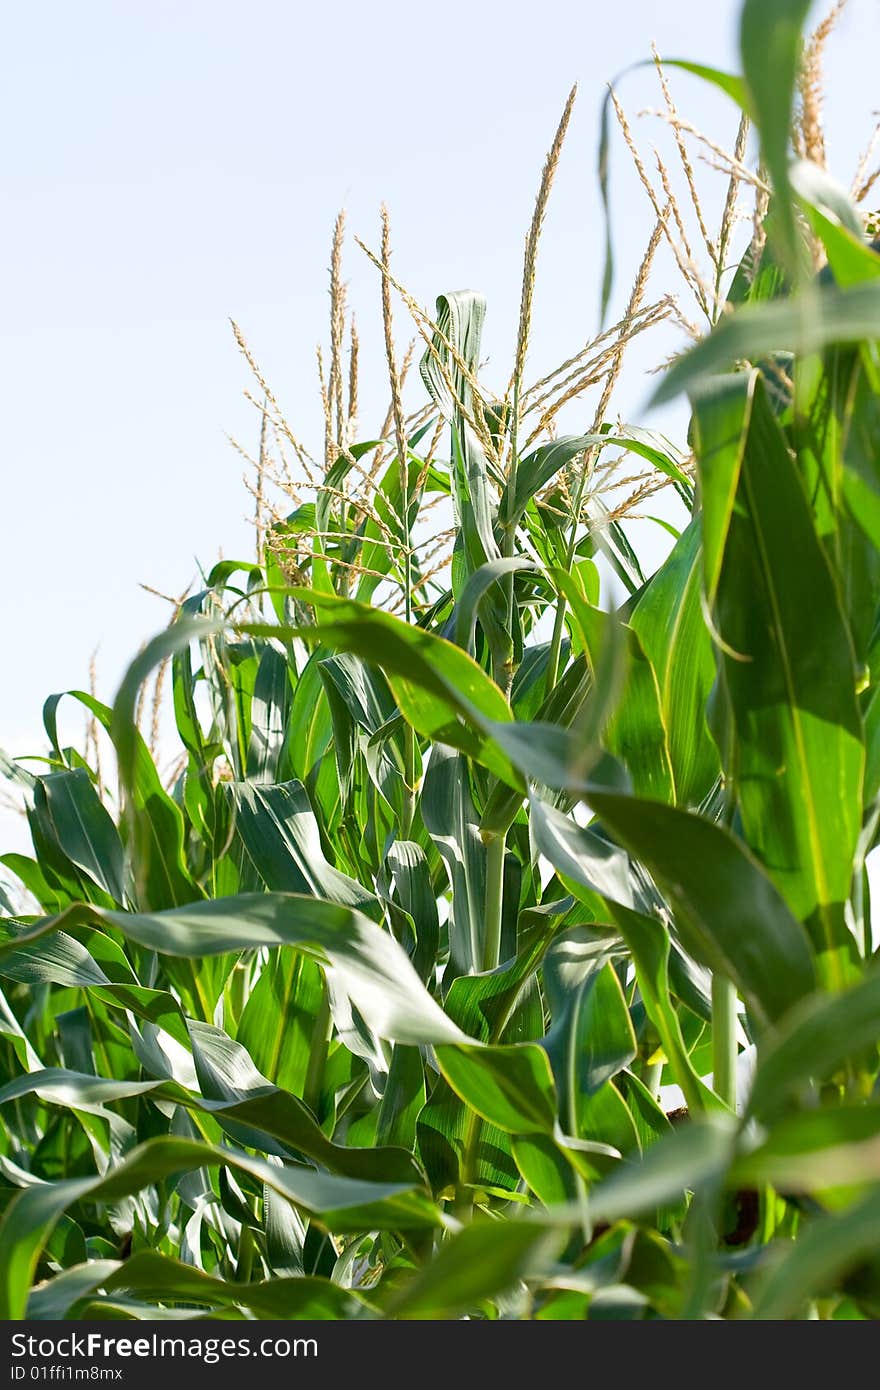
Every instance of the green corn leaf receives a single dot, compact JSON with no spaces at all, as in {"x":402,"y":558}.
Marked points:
{"x":668,"y":621}
{"x":340,"y":1203}
{"x":687,"y":1158}
{"x":816,"y":319}
{"x":269,"y":716}
{"x":483,"y":1260}
{"x":281,"y":837}
{"x":511,"y":1087}
{"x":816,"y":1151}
{"x":787,"y":666}
{"x":155,"y":1279}
{"x":770,"y":43}
{"x":592,"y":1037}
{"x":71,"y":812}
{"x":367,"y":962}
{"x":729,"y":915}
{"x":439,"y":689}
{"x":813,"y":1042}
{"x":827,"y":1250}
{"x":157,"y":848}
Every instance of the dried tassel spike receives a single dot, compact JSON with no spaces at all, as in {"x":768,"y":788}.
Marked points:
{"x":534,"y":236}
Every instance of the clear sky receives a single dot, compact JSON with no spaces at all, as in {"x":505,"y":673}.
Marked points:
{"x":168,"y":165}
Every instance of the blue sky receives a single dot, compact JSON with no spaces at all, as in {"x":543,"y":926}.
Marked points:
{"x":168,"y":165}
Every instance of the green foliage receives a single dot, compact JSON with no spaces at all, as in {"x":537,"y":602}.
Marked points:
{"x":374,"y":1012}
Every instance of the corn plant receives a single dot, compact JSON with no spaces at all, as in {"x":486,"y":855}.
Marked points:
{"x":502,"y":946}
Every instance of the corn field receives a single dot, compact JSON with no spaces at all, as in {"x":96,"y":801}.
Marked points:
{"x":495,"y":942}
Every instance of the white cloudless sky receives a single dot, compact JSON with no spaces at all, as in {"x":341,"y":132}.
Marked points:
{"x":168,"y":165}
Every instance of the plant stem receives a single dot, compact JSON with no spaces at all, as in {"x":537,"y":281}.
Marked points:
{"x":495,"y":843}
{"x":504,"y":677}
{"x":495,"y":846}
{"x":561,"y":605}
{"x":245,"y":1261}
{"x":200,"y":998}
{"x":409,"y":780}
{"x":863,"y":921}
{"x":724,"y":1039}
{"x":467,"y":1169}
{"x":651,"y":1078}
{"x":555,"y":645}
{"x":314,"y":1081}
{"x":724,"y":998}
{"x":409,"y":737}
{"x":237,"y":990}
